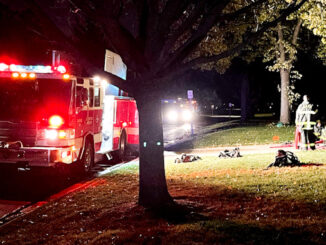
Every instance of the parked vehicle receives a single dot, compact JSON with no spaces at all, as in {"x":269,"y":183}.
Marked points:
{"x":49,"y":118}
{"x":178,"y":111}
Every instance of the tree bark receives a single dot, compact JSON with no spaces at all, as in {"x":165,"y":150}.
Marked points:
{"x":285,"y":73}
{"x":153,"y":190}
{"x":244,"y":98}
{"x":296,"y":32}
{"x":285,"y":106}
{"x":285,"y":80}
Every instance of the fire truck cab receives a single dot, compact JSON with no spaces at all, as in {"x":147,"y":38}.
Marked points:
{"x":49,"y":118}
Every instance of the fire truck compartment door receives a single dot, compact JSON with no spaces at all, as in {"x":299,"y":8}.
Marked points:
{"x":107,"y":124}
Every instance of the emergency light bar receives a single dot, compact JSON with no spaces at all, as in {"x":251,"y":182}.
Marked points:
{"x":35,"y":69}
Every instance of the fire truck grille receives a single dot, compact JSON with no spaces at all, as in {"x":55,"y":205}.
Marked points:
{"x":18,"y":131}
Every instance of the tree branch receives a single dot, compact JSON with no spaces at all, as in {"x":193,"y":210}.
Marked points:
{"x":247,"y":40}
{"x":151,"y":23}
{"x":197,"y":35}
{"x":187,"y":24}
{"x":280,"y":42}
{"x":173,"y":11}
{"x":222,"y":18}
{"x":120,"y":39}
{"x":237,"y":13}
{"x":296,"y":32}
{"x":73,"y":49}
{"x":161,"y":26}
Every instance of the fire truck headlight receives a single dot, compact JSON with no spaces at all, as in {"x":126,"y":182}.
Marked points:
{"x":187,"y":115}
{"x":51,"y":134}
{"x":62,"y":134}
{"x":66,"y":76}
{"x":172,"y":116}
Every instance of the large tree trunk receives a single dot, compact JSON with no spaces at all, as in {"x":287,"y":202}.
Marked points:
{"x":285,"y":80}
{"x":285,"y":106}
{"x":244,"y":98}
{"x":285,"y":73}
{"x":153,"y":190}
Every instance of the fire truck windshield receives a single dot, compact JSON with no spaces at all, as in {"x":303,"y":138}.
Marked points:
{"x":33,"y":100}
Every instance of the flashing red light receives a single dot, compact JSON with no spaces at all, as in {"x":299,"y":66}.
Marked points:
{"x":12,"y":68}
{"x":32,"y":68}
{"x":124,"y":124}
{"x":23,"y":75}
{"x":32,"y":75}
{"x":3,"y":67}
{"x":55,"y":121}
{"x":61,"y":69}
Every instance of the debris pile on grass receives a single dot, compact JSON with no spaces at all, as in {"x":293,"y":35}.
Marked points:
{"x":187,"y":158}
{"x":230,"y":154}
{"x":285,"y":159}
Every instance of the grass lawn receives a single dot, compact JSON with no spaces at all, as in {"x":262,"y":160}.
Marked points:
{"x":222,"y":201}
{"x":246,"y":135}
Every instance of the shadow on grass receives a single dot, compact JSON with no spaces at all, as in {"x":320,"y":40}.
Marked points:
{"x":216,"y":215}
{"x":298,"y":165}
{"x":200,"y":214}
{"x":311,"y":164}
{"x":224,"y":232}
{"x":176,"y":213}
{"x":214,"y":229}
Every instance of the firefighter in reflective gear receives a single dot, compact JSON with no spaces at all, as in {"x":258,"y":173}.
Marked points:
{"x":318,"y":130}
{"x":304,"y":125}
{"x":323,"y":135}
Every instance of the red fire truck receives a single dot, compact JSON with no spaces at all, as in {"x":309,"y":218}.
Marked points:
{"x":49,"y":118}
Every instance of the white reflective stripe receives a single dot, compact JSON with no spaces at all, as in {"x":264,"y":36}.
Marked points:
{"x":116,"y":132}
{"x":98,"y":138}
{"x":306,"y":112}
{"x":306,"y":123}
{"x":79,"y":145}
{"x":133,"y":131}
{"x":97,"y":108}
{"x":79,"y":142}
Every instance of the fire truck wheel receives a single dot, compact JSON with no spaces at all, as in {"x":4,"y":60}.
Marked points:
{"x":122,"y":146}
{"x":87,"y":160}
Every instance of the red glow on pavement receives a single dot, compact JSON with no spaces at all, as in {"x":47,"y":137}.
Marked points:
{"x":72,"y":189}
{"x":7,"y":207}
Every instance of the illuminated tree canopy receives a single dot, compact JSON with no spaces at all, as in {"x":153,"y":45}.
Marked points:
{"x":278,"y":45}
